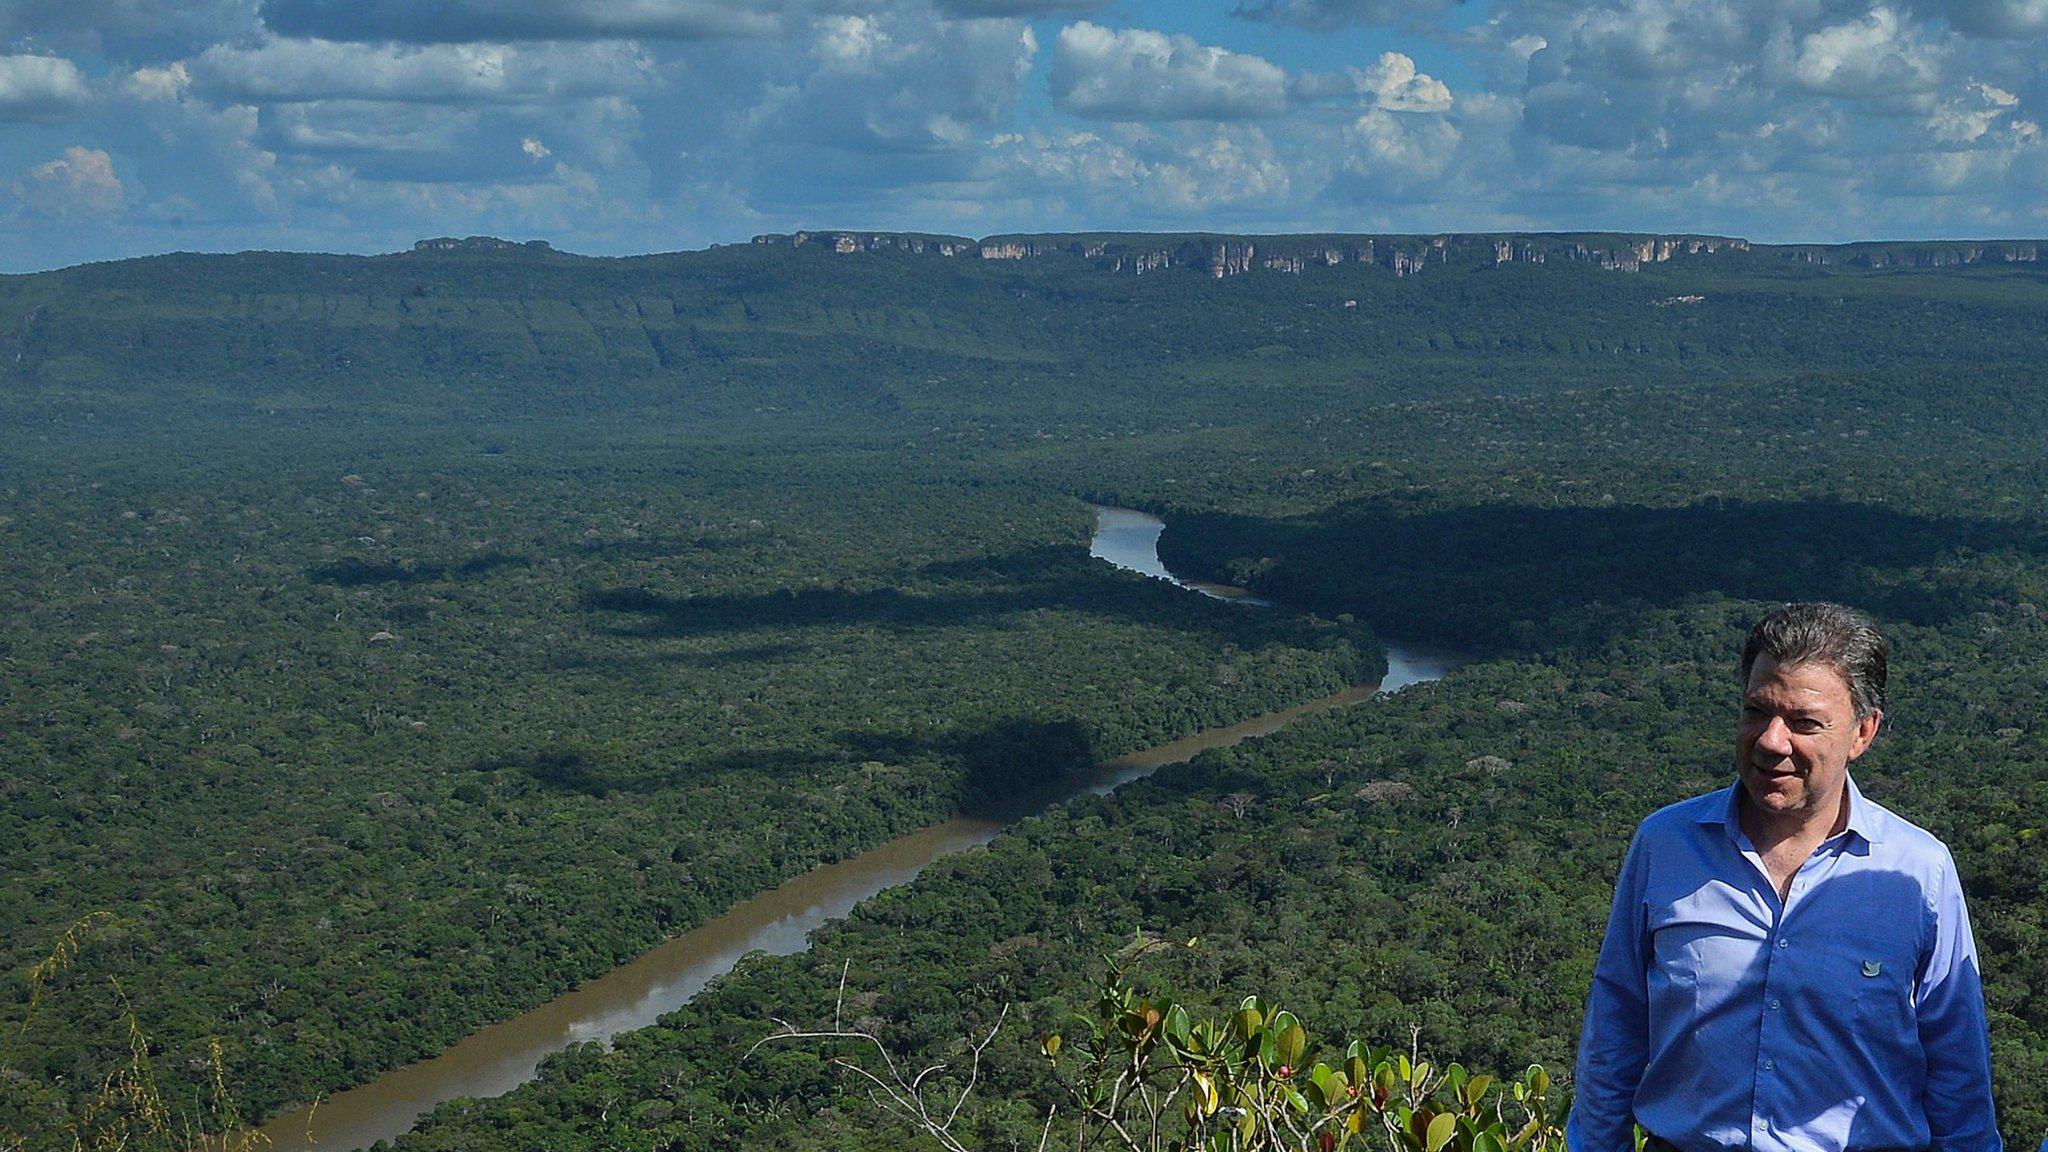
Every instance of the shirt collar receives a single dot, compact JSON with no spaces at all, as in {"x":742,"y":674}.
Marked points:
{"x":1865,"y":819}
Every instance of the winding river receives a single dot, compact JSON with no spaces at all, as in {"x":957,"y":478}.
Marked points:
{"x":779,"y":921}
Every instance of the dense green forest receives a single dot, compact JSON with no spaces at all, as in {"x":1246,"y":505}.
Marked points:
{"x":392,"y":642}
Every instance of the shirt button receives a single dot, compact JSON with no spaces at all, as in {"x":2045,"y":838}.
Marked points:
{"x":1768,"y":1066}
{"x":1784,"y":943}
{"x":1774,"y":1004}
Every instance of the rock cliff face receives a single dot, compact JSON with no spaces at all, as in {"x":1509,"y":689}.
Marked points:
{"x":477,"y":244}
{"x":849,"y":242}
{"x":1220,"y":256}
{"x":1956,"y":254}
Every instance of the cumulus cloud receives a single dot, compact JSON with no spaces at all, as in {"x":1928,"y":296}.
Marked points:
{"x":81,"y":182}
{"x":894,"y":83}
{"x":286,"y":71}
{"x":39,"y":87}
{"x":2003,"y":19}
{"x":1800,"y":120}
{"x":368,"y":126}
{"x":1017,"y":8}
{"x":163,"y":85}
{"x":1393,"y":83}
{"x":139,"y":30}
{"x":1177,"y":174}
{"x":534,"y":148}
{"x":1137,"y":74}
{"x":1875,"y":54}
{"x":1972,"y":116}
{"x":1327,"y":15}
{"x":1401,"y":157}
{"x":465,"y":21}
{"x":853,"y":43}
{"x":1717,"y":79}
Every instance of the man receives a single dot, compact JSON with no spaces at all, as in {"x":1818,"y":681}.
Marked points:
{"x":1788,"y":967}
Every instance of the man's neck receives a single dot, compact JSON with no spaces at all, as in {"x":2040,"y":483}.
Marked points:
{"x":1806,"y":830}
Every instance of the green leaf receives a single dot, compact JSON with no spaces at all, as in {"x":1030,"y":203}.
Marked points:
{"x":1245,"y":1024}
{"x":1293,"y":1042}
{"x":1488,"y":1142}
{"x":1177,"y":1025}
{"x":1440,"y":1131}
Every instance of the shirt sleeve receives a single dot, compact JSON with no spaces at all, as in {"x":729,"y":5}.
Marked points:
{"x":1614,"y":1044}
{"x":1953,"y":1034}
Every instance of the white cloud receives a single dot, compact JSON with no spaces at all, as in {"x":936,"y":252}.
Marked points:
{"x":897,"y":84}
{"x":1137,"y":74}
{"x":136,"y":30}
{"x":1970,"y":116}
{"x":1327,"y":15}
{"x":502,"y":21}
{"x":1016,"y":8}
{"x":534,"y":148}
{"x":165,"y":85}
{"x":1877,"y":54}
{"x":852,"y":43}
{"x":1401,"y":157}
{"x":370,"y":126}
{"x":1178,"y":174}
{"x":1393,"y":84}
{"x":81,"y":182}
{"x":39,"y":87}
{"x":2004,"y":19}
{"x":285,"y":71}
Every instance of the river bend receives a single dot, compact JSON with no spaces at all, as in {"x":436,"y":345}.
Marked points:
{"x":503,"y":1056}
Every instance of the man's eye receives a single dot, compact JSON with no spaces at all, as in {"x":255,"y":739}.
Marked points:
{"x":1806,"y":727}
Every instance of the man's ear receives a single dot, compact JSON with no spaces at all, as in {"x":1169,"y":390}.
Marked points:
{"x":1866,"y":731}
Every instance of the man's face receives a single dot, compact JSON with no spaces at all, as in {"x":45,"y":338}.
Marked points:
{"x":1798,"y":733}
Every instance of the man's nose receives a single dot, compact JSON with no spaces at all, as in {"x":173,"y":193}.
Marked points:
{"x":1776,"y":737}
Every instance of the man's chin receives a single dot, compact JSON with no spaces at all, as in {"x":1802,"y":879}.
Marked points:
{"x":1774,"y":793}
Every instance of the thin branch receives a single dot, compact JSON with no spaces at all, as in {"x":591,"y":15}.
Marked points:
{"x":974,"y":1068}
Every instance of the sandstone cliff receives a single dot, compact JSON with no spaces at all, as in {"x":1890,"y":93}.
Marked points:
{"x":1219,"y":256}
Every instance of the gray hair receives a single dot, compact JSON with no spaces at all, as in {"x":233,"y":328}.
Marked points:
{"x":1817,"y":632}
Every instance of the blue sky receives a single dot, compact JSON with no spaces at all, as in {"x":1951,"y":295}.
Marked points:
{"x":130,"y":127}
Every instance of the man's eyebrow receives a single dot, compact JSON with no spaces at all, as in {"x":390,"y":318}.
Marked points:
{"x":1750,"y":700}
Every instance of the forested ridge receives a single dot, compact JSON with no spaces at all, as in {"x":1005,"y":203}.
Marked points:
{"x":392,"y":642}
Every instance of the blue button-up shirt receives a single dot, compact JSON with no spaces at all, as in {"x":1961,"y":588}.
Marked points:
{"x":1847,"y":1017}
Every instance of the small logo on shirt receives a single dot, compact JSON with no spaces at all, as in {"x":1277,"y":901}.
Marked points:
{"x":1872,"y":968}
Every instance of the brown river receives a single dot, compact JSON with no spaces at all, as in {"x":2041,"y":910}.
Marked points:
{"x":503,"y":1056}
